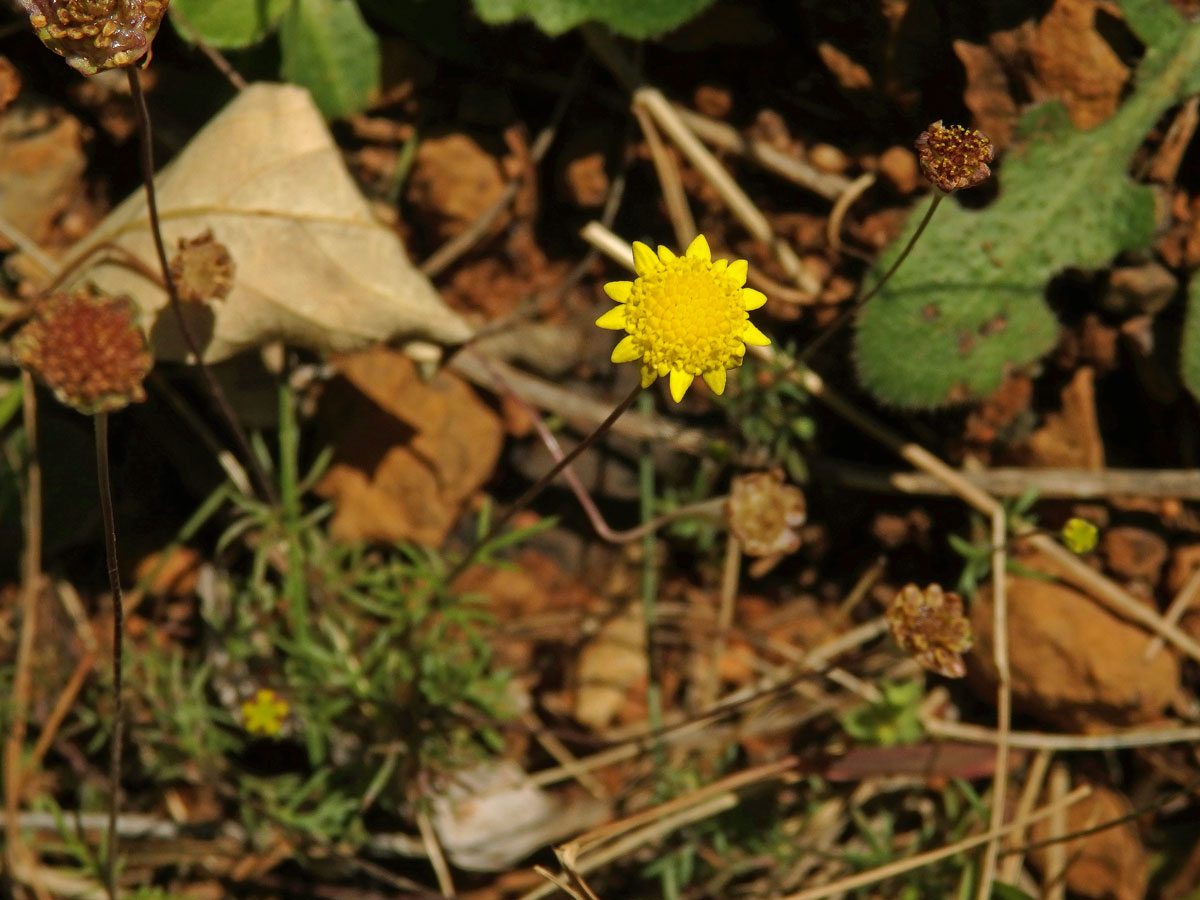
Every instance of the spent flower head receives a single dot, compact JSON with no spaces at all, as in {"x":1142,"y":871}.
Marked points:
{"x":930,"y":626}
{"x":954,"y":157}
{"x":96,"y":34}
{"x":764,"y":513}
{"x":203,"y":269}
{"x":88,"y":348}
{"x":684,"y":316}
{"x":264,"y":712}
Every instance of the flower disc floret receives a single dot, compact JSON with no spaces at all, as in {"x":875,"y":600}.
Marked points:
{"x":684,"y":316}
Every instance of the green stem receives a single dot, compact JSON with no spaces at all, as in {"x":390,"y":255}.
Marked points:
{"x":668,"y":876}
{"x":858,"y":304}
{"x":146,"y":132}
{"x":541,"y":484}
{"x":118,"y":639}
{"x":295,"y":583}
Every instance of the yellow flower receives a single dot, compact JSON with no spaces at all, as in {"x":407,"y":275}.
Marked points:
{"x":685,"y":316}
{"x":1079,"y":535}
{"x":264,"y":713}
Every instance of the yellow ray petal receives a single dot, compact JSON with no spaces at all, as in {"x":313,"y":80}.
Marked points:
{"x":752,"y":299}
{"x":614,"y":319}
{"x":698,"y":249}
{"x":715,"y":380}
{"x":644,"y":260}
{"x":737,"y":271}
{"x":663,"y":369}
{"x":719,"y":266}
{"x":648,"y":376}
{"x":680,"y":382}
{"x":626,"y":350}
{"x":751,"y":335}
{"x":619,"y":290}
{"x":666,"y":255}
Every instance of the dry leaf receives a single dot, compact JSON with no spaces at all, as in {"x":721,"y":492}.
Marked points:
{"x":314,"y":268}
{"x":611,"y":665}
{"x":408,"y":453}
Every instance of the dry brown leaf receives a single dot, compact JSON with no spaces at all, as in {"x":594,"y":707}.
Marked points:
{"x":407,"y":453}
{"x":314,"y":268}
{"x":610,"y":667}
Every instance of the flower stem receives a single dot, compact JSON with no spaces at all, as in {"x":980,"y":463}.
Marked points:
{"x":146,"y":131}
{"x":858,"y":304}
{"x":118,"y":639}
{"x":540,"y":485}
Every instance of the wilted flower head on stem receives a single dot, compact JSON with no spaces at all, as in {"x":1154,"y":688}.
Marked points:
{"x":96,"y":34}
{"x":685,"y":316}
{"x":953,"y":157}
{"x":88,"y":348}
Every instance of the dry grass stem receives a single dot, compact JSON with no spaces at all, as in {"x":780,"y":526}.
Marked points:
{"x":669,"y":181}
{"x":1181,"y":604}
{"x":794,"y":169}
{"x":833,"y":226}
{"x":899,"y":867}
{"x":1179,"y":484}
{"x":1012,"y":865}
{"x":1083,"y":743}
{"x":1003,"y":697}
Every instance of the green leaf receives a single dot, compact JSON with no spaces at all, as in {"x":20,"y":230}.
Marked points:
{"x":1190,"y":352}
{"x":633,"y":18}
{"x":328,"y":48}
{"x":230,"y":24}
{"x":968,"y":303}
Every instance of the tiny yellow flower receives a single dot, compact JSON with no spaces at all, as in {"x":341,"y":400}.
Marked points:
{"x":264,"y":713}
{"x":1079,"y":535}
{"x":685,"y":316}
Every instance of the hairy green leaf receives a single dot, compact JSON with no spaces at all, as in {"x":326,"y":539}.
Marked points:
{"x":328,"y":48}
{"x":968,"y":304}
{"x":634,"y":18}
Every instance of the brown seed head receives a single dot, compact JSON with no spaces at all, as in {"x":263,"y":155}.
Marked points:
{"x":97,"y":34}
{"x":88,"y":349}
{"x":930,"y":626}
{"x":954,"y":157}
{"x":764,"y":513}
{"x":203,"y":269}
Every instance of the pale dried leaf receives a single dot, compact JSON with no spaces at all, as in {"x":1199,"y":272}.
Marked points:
{"x":314,"y":268}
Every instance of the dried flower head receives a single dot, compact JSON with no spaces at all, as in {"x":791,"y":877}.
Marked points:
{"x":685,"y":316}
{"x":930,"y":626}
{"x":764,"y":513}
{"x":1080,"y":535}
{"x":954,"y":157}
{"x":88,"y":348}
{"x":264,"y":712}
{"x":202,"y":269}
{"x":97,"y":34}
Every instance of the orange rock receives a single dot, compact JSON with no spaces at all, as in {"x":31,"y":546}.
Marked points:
{"x":1074,"y":664}
{"x":407,"y":454}
{"x":1132,"y":552}
{"x":453,"y":182}
{"x":1070,"y":438}
{"x":1184,"y":561}
{"x":1108,"y":865}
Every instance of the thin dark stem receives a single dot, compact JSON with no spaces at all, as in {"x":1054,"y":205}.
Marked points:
{"x":146,"y":132}
{"x":118,"y":640}
{"x":854,"y":307}
{"x":540,"y":485}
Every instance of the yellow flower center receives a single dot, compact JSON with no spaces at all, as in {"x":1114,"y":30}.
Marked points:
{"x":687,"y":316}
